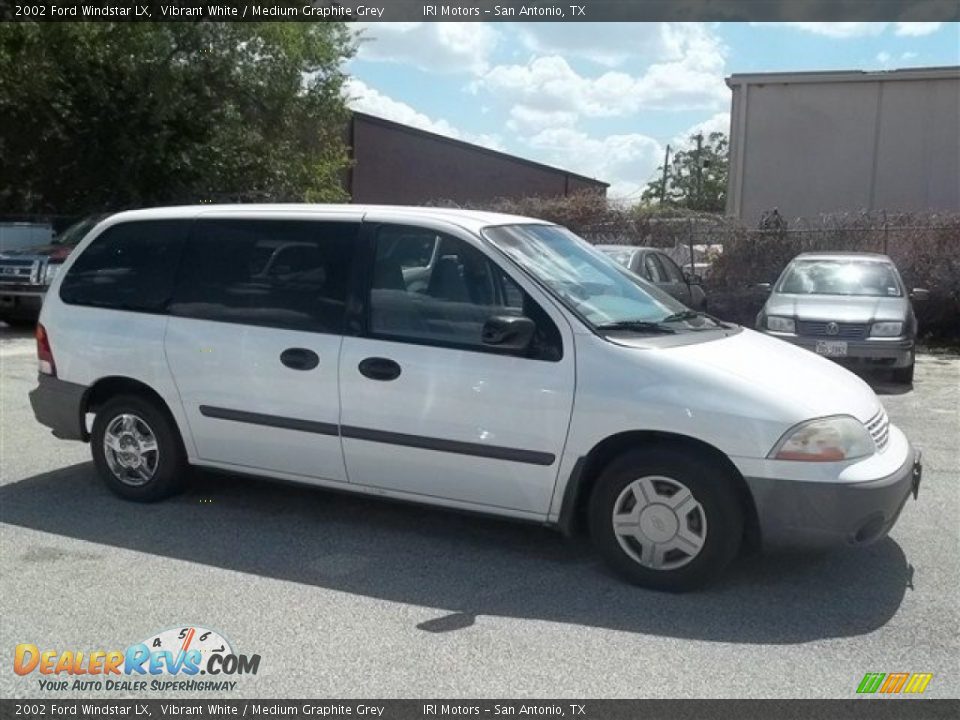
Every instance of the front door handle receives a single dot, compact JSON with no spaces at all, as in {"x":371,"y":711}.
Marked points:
{"x":299,"y":359}
{"x":378,"y":368}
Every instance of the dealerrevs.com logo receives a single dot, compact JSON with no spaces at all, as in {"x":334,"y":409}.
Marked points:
{"x":170,"y":660}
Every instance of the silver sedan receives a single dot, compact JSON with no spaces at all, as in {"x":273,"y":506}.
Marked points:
{"x":851,"y":307}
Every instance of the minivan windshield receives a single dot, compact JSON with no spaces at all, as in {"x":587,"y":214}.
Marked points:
{"x":601,"y":292}
{"x":867,"y":278}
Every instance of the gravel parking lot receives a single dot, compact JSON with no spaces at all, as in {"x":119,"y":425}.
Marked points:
{"x":347,"y":596}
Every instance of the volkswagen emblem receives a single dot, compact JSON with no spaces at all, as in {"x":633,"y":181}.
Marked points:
{"x":832,"y":328}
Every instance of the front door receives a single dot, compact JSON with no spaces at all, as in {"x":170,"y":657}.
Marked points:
{"x":254,"y":338}
{"x":427,"y":407}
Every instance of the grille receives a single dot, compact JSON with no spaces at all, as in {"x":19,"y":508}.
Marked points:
{"x":879,"y":429}
{"x":17,"y":271}
{"x":845,"y":331}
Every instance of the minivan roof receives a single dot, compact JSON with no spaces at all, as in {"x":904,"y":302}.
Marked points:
{"x":470,"y":219}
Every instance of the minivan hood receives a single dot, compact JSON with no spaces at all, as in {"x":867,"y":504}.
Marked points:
{"x":55,"y":252}
{"x":839,"y":308}
{"x":774,"y":369}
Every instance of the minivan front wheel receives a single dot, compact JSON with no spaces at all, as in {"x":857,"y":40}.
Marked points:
{"x":137,"y":450}
{"x":665,"y":519}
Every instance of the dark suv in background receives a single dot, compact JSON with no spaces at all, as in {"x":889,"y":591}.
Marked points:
{"x":25,"y":274}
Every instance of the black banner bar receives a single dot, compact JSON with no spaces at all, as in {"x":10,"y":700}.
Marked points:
{"x":480,"y":10}
{"x":860,"y":709}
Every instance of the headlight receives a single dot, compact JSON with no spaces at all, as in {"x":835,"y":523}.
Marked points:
{"x":825,"y":440}
{"x":886,"y":329}
{"x":50,"y":272}
{"x":781,"y":324}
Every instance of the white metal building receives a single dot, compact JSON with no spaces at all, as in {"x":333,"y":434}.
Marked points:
{"x":825,"y":142}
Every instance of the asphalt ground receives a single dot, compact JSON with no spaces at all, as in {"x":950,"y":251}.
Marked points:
{"x":349,"y":596}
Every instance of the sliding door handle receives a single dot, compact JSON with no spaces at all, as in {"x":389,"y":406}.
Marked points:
{"x":299,"y":359}
{"x":378,"y":368}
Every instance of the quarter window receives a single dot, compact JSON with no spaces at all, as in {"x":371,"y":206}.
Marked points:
{"x":277,"y":273}
{"x":447,"y":301}
{"x":673,"y":273}
{"x":654,"y":271}
{"x":130,"y":266}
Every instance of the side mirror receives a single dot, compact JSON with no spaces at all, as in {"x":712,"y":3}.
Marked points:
{"x":512,"y":333}
{"x":767,"y":287}
{"x":919,"y":294}
{"x":692,"y":279}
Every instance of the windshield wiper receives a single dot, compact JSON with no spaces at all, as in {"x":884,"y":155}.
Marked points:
{"x":693,"y":315}
{"x":641,"y":325}
{"x":683,"y":315}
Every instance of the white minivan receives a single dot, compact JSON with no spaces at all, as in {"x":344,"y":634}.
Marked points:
{"x":472,"y":360}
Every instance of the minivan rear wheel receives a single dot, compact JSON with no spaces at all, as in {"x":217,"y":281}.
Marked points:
{"x":137,"y":449}
{"x":665,"y":519}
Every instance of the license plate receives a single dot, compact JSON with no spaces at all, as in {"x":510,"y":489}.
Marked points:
{"x":831,"y":348}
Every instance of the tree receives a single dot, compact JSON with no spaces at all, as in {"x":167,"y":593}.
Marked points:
{"x":691,"y":184}
{"x":103,"y":116}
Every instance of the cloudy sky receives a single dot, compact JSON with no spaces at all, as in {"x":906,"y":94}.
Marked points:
{"x":604,"y":99}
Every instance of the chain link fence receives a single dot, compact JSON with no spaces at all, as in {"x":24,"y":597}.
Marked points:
{"x":732,"y":259}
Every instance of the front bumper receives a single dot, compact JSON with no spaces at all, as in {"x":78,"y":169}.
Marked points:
{"x":57,"y":404}
{"x":21,"y":302}
{"x":795,"y":513}
{"x":891,"y":353}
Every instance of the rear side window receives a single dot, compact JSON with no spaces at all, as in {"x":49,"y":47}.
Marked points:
{"x":277,"y":273}
{"x":130,"y":266}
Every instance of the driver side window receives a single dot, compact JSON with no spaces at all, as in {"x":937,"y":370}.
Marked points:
{"x":448,"y":300}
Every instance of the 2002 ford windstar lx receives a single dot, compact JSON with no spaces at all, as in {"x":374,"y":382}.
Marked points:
{"x":471,"y":360}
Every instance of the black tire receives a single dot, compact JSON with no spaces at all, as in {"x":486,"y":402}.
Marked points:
{"x":904,"y":376}
{"x":711,"y":487}
{"x":170,"y":470}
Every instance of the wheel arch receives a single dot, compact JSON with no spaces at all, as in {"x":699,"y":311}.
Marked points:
{"x":113,"y":385}
{"x":583,"y":477}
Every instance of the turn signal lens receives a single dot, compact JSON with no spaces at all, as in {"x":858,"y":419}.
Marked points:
{"x":781,"y":324}
{"x":44,"y":354}
{"x":829,"y":439}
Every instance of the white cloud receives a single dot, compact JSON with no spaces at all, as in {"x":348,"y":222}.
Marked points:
{"x":845,"y":30}
{"x":887,"y":60}
{"x":363,"y":98}
{"x":434,"y":47}
{"x":609,"y":44}
{"x":526,"y":119}
{"x":917,"y":29}
{"x":627,"y":162}
{"x":690,"y":76}
{"x":835,"y":29}
{"x":720,"y":122}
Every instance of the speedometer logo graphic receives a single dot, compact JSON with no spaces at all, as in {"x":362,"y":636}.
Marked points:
{"x":194,"y":637}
